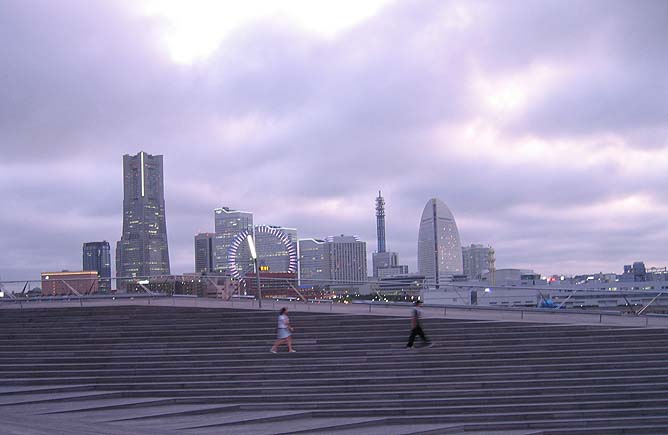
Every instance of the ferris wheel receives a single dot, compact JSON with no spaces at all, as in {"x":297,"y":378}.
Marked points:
{"x":273,"y":246}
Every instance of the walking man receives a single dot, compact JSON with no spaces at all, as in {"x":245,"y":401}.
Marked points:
{"x":416,"y":329}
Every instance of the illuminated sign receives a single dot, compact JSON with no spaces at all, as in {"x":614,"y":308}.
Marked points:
{"x":264,"y":268}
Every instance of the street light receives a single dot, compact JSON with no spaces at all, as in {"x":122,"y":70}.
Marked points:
{"x":251,"y":245}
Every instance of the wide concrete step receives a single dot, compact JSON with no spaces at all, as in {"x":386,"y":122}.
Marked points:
{"x":427,"y":359}
{"x":373,"y":392}
{"x":327,"y":339}
{"x":304,"y":355}
{"x":35,"y":377}
{"x":247,"y":378}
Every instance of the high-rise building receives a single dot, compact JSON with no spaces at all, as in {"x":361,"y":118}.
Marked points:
{"x":387,"y":261}
{"x":97,"y":257}
{"x":204,"y":252}
{"x":439,"y":246}
{"x":476,"y":260}
{"x":228,"y":224}
{"x":347,"y":259}
{"x":314,"y":268}
{"x":276,"y":249}
{"x":142,"y":250}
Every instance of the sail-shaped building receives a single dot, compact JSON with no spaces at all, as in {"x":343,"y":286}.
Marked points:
{"x":439,"y":246}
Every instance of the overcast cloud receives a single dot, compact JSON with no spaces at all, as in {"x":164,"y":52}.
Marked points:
{"x":542,"y":124}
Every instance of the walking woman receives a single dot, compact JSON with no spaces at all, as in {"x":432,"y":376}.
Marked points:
{"x":284,"y":334}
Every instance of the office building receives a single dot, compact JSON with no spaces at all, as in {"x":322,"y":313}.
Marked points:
{"x":477,"y":259}
{"x":142,"y":250}
{"x":204,"y":253}
{"x":314,"y":268}
{"x":439,"y":246}
{"x":97,"y":257}
{"x":276,"y":251}
{"x":347,"y":259}
{"x":70,"y":283}
{"x":392,"y":271}
{"x":410,"y":285}
{"x":228,"y":225}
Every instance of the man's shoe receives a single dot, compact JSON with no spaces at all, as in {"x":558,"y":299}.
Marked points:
{"x":293,"y":351}
{"x":273,"y":351}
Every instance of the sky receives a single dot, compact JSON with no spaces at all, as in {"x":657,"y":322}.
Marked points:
{"x":543,"y":125}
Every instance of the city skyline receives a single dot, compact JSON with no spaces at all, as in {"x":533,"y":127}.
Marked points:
{"x":542,"y":125}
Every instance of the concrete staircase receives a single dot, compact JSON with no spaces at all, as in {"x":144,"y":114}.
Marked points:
{"x":169,"y":370}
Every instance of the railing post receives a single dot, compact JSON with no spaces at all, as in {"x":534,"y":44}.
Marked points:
{"x":600,"y":318}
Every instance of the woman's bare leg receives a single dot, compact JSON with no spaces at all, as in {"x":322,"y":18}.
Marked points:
{"x":277,"y":343}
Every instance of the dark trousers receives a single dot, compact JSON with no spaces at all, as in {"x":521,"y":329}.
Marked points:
{"x":414,"y":333}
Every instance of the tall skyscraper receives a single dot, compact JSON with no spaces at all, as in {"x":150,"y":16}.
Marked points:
{"x":228,"y":224}
{"x":347,"y":259}
{"x":204,"y":252}
{"x":142,"y":250}
{"x":97,"y":257}
{"x":314,"y":267}
{"x":476,"y":260}
{"x":380,"y":222}
{"x":385,"y":264}
{"x":439,"y":246}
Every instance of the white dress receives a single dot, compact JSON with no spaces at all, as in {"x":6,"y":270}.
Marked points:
{"x":283,"y":331}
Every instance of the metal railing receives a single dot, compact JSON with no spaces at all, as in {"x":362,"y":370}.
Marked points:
{"x":403,"y":309}
{"x":73,"y":289}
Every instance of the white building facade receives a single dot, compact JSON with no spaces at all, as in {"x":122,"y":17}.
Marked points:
{"x":439,"y":245}
{"x":347,"y":259}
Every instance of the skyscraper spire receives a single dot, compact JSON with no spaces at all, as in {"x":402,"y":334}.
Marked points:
{"x":380,"y":222}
